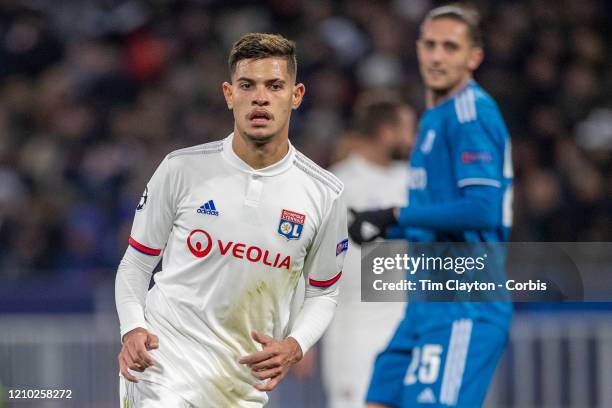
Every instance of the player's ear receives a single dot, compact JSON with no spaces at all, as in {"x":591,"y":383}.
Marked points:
{"x":227,"y":92}
{"x":475,"y":59}
{"x":298,"y":95}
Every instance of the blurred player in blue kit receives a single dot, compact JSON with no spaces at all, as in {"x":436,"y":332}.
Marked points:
{"x":444,"y":354}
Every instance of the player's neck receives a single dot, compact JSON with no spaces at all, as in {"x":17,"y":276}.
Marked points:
{"x":434,"y":97}
{"x":375,"y":154}
{"x":257,"y":154}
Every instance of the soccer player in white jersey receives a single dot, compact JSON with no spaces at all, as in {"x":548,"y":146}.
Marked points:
{"x":374,"y":176}
{"x":236,"y":223}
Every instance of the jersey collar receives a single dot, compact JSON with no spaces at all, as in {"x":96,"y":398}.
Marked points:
{"x":471,"y":83}
{"x":279,"y":167}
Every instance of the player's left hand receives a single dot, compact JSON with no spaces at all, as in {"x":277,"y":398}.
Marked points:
{"x":366,"y":226}
{"x":273,"y":361}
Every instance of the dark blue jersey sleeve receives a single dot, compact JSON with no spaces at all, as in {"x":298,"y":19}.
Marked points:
{"x":478,"y":208}
{"x":478,"y":151}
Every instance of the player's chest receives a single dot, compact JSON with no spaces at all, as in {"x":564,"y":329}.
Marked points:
{"x":431,"y":158}
{"x":431,"y":145}
{"x":369,"y":188}
{"x":249,"y":217}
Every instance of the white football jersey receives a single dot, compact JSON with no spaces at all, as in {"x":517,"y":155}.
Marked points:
{"x":368,"y":186}
{"x":235,"y":242}
{"x":359,"y":328}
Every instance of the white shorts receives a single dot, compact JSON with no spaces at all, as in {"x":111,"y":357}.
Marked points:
{"x":145,"y":394}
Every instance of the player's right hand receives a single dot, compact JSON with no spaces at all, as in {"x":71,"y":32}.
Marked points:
{"x":134,"y":353}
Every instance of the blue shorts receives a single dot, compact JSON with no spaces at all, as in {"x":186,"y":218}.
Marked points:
{"x":450,"y":366}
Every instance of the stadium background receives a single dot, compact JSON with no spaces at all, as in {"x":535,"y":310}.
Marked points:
{"x":93,"y":94}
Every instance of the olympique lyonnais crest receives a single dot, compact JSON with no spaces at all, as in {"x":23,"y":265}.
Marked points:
{"x":291,"y":224}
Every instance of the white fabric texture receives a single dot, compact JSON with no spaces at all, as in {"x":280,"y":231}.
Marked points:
{"x":131,"y":286}
{"x":360,"y":330}
{"x":314,"y":318}
{"x":234,"y":242}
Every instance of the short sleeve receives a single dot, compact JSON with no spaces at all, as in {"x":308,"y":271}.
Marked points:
{"x":323,"y":265}
{"x":154,"y":213}
{"x":478,"y":155}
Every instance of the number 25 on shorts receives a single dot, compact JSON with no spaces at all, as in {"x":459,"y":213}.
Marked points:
{"x":425,"y":365}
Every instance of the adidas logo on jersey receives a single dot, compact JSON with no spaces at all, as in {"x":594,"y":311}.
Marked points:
{"x":208,"y":208}
{"x":426,"y":397}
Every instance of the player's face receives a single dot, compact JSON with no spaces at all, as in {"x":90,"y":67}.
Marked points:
{"x":446,"y":55}
{"x":262,"y":94}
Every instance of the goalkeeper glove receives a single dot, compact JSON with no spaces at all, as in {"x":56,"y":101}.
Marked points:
{"x":366,"y":226}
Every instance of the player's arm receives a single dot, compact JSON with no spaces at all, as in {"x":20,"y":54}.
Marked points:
{"x":478,"y":208}
{"x":477,"y":160}
{"x":150,"y":230}
{"x":322,"y":269}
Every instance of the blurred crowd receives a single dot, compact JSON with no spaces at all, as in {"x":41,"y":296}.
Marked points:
{"x":94,"y":93}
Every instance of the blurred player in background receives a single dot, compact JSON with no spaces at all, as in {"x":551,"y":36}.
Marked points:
{"x":445,"y":354}
{"x":239,"y":222}
{"x":374,"y":176}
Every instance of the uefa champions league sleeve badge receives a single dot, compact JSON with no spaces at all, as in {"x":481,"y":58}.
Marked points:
{"x":143,"y":199}
{"x":291,"y":224}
